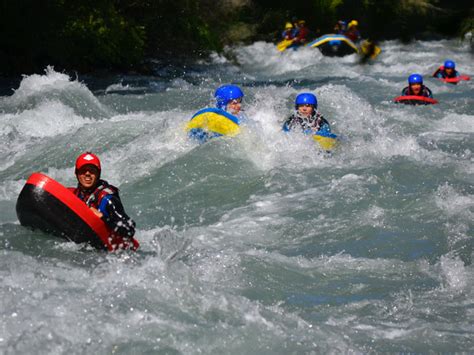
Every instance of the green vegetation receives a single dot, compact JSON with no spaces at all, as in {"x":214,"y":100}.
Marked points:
{"x":90,"y":35}
{"x":80,"y":35}
{"x":378,"y":19}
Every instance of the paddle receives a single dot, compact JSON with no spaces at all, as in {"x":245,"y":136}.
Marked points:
{"x":369,"y":50}
{"x":281,"y":46}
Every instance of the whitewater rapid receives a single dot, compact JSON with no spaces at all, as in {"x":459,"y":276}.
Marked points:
{"x":259,"y":243}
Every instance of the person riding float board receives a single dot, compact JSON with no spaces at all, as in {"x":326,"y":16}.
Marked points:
{"x":416,"y":88}
{"x":352,"y":32}
{"x":101,"y":197}
{"x":306,"y":116}
{"x":228,"y":101}
{"x":448,"y":70}
{"x":229,"y":98}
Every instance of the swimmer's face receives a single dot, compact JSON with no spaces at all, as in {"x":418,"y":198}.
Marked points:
{"x":448,"y":71}
{"x":416,"y":88}
{"x":305,"y":110}
{"x":88,"y":175}
{"x":234,"y":106}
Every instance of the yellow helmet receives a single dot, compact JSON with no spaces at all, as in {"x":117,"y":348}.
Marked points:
{"x":301,"y":22}
{"x":353,"y":23}
{"x":288,"y":26}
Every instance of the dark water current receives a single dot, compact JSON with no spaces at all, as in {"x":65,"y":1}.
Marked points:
{"x":259,"y":244}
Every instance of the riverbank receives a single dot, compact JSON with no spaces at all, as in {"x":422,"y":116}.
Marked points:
{"x":89,"y":37}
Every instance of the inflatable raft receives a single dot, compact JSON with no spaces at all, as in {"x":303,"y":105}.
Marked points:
{"x":415,"y":100}
{"x":333,"y":45}
{"x":47,"y":205}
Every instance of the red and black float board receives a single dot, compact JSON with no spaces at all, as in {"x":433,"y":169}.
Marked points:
{"x":415,"y":100}
{"x":47,"y":205}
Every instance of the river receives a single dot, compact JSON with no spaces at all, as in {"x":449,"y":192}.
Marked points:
{"x":257,"y":244}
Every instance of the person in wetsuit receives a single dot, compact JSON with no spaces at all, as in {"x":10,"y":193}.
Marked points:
{"x":416,"y":88}
{"x":306,"y":117}
{"x":228,"y":104}
{"x":446,"y":71}
{"x":101,"y":197}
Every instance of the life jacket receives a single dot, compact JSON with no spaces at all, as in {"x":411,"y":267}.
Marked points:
{"x":287,"y":34}
{"x":302,"y":34}
{"x":309,"y":124}
{"x":353,"y":35}
{"x":423,"y":92}
{"x":98,"y":199}
{"x":295,"y":32}
{"x":443,"y":73}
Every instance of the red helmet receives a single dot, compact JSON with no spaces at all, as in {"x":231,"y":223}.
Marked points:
{"x":87,"y":159}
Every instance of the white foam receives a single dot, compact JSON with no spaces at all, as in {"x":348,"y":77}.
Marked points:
{"x":263,"y":56}
{"x":453,"y":122}
{"x":36,"y":89}
{"x":48,"y":119}
{"x":9,"y":190}
{"x":454,"y":274}
{"x":454,"y":203}
{"x":117,"y":88}
{"x":31,"y":85}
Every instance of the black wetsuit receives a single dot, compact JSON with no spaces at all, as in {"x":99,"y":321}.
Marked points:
{"x":424,"y":92}
{"x":316,"y":122}
{"x":441,"y":73}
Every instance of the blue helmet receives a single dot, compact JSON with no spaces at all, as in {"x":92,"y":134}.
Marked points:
{"x":415,"y":79}
{"x":306,"y":98}
{"x":449,"y":64}
{"x":227,"y":93}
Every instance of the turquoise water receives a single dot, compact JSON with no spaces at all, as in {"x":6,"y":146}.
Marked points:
{"x":259,"y":243}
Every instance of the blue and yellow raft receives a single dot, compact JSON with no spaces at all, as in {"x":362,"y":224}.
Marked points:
{"x":333,"y":45}
{"x":212,"y":122}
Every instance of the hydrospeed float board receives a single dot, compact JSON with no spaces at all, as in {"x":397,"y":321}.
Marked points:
{"x":215,"y":121}
{"x":415,"y":100}
{"x":47,"y":205}
{"x":326,"y":140}
{"x":456,"y":80}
